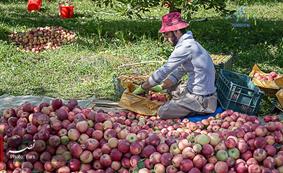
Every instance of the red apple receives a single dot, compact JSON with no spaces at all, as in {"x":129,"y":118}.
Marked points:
{"x":270,"y":140}
{"x":249,"y":135}
{"x":110,"y":133}
{"x":183,"y":143}
{"x":177,"y":160}
{"x":155,"y":157}
{"x":261,"y":131}
{"x":105,"y":160}
{"x":162,"y":148}
{"x":116,"y":165}
{"x":220,"y":146}
{"x":144,"y":170}
{"x":135,"y":148}
{"x":45,"y":156}
{"x":247,"y":155}
{"x":254,"y":168}
{"x":62,"y":114}
{"x":269,"y":162}
{"x":74,"y":164}
{"x":97,"y":134}
{"x":209,"y":167}
{"x":48,"y":166}
{"x":64,"y":169}
{"x":38,"y":166}
{"x":153,"y":139}
{"x":270,"y":149}
{"x":186,"y":165}
{"x":194,"y":170}
{"x":97,"y":165}
{"x":126,"y":163}
{"x":56,"y":103}
{"x":171,"y":169}
{"x":242,"y":146}
{"x":105,"y":148}
{"x":166,"y":159}
{"x":100,"y":117}
{"x":241,"y":168}
{"x":123,"y":146}
{"x":251,"y":161}
{"x":58,"y":161}
{"x":54,"y":141}
{"x":82,"y":126}
{"x":207,"y":150}
{"x":76,"y":150}
{"x":221,"y":167}
{"x":32,"y":156}
{"x":230,"y":143}
{"x":259,"y":154}
{"x":199,"y":161}
{"x":113,"y":142}
{"x":91,"y":144}
{"x":73,"y":134}
{"x":159,"y":168}
{"x":134,"y":160}
{"x":86,"y":156}
{"x":278,"y":160}
{"x":259,"y":142}
{"x":23,"y":165}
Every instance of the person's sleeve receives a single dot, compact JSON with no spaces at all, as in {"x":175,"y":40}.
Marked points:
{"x":176,"y":59}
{"x":177,"y":74}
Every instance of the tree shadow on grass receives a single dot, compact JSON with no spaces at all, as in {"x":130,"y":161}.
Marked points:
{"x":4,"y":34}
{"x":85,"y":28}
{"x":250,"y":45}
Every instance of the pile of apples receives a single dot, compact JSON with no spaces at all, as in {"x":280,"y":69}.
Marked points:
{"x":269,"y":77}
{"x":155,"y":96}
{"x":69,"y":138}
{"x":42,"y":38}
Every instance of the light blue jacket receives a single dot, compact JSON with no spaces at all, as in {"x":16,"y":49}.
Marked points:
{"x":190,"y":58}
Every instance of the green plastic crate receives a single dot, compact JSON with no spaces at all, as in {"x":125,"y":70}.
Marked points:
{"x":222,"y":61}
{"x":117,"y":86}
{"x":237,"y":92}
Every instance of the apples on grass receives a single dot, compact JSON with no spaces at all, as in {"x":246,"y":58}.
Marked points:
{"x":43,"y":38}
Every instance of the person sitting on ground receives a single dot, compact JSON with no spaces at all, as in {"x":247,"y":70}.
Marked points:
{"x":198,"y":95}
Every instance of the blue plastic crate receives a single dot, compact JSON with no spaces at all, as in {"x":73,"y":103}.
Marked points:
{"x":199,"y":117}
{"x":237,"y":92}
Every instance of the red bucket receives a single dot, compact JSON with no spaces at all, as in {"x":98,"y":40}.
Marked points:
{"x":66,"y":11}
{"x":34,"y":5}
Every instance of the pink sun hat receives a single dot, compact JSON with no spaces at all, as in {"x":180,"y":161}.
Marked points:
{"x":172,"y":22}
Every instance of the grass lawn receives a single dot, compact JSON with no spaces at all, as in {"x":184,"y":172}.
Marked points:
{"x":106,"y":41}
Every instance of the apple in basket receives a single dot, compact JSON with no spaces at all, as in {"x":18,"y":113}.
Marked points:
{"x":161,"y":97}
{"x":270,"y":76}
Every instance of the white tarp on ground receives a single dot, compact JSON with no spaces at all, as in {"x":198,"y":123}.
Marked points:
{"x":7,"y":101}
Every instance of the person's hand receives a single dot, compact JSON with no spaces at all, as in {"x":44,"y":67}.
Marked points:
{"x":139,"y":90}
{"x":157,"y":88}
{"x":167,"y":83}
